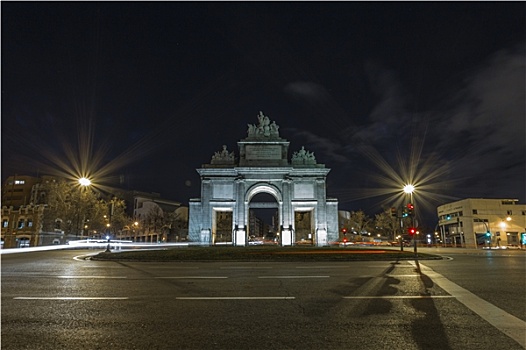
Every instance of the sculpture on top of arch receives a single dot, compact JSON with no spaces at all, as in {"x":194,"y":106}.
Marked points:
{"x":265,"y":129}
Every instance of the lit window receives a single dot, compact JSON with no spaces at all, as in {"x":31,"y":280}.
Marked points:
{"x":19,"y":182}
{"x":29,"y":223}
{"x":5,"y":223}
{"x":21,"y":224}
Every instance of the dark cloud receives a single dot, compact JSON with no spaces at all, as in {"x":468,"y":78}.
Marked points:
{"x":307,"y":91}
{"x":488,"y":114}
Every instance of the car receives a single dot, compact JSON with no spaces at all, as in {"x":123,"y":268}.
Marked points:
{"x":255,"y":241}
{"x":397,"y":244}
{"x":304,"y":241}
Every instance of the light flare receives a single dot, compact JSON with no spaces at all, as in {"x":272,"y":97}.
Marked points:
{"x":412,"y":174}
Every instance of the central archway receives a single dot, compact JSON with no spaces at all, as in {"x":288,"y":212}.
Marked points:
{"x":263,"y":219}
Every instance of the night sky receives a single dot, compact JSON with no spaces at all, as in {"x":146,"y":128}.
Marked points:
{"x":140,"y":94}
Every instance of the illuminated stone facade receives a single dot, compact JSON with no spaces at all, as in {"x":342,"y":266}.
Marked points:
{"x":480,"y":222}
{"x":229,"y":185}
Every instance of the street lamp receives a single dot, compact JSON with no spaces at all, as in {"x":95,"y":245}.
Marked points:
{"x":409,"y":189}
{"x":135,"y":228}
{"x":108,"y":237}
{"x":84,"y":182}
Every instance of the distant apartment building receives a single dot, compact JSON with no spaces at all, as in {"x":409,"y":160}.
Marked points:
{"x":18,"y":190}
{"x":479,"y":222}
{"x":24,"y":207}
{"x":22,"y":214}
{"x":157,"y":220}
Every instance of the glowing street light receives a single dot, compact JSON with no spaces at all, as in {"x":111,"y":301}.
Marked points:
{"x":84,"y":182}
{"x":409,"y":189}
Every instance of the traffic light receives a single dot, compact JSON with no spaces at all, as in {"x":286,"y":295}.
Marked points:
{"x":410,"y":209}
{"x":488,"y":234}
{"x":411,"y":231}
{"x":344,"y":231}
{"x":394,"y":212}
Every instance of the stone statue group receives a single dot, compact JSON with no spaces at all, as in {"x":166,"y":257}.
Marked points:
{"x":303,"y":157}
{"x":223,"y":155}
{"x":265,"y":127}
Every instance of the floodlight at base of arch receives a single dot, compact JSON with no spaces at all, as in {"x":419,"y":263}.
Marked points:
{"x":286,"y":237}
{"x":240,"y":237}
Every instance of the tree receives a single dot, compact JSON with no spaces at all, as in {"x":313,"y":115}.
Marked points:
{"x":79,"y":210}
{"x":360,"y":222}
{"x":178,"y":220}
{"x":67,"y":206}
{"x":386,"y":224}
{"x":118,"y":218}
{"x":154,"y":219}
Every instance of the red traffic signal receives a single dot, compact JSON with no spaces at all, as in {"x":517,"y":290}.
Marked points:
{"x":410,"y":208}
{"x":411,"y":231}
{"x":344,"y":230}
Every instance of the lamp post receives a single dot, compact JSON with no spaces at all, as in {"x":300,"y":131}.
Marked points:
{"x":409,"y":189}
{"x":84,"y":183}
{"x":108,"y":237}
{"x":135,"y":227}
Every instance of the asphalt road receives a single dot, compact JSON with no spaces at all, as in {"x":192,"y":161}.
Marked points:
{"x":58,"y":300}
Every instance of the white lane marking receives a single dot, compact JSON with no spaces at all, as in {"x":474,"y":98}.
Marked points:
{"x":322,"y":267}
{"x":508,"y":324}
{"x":70,"y":298}
{"x":89,"y":277}
{"x":245,"y":267}
{"x":177,"y":267}
{"x":411,"y":275}
{"x":193,"y":277}
{"x":102,"y":267}
{"x":63,"y":277}
{"x":235,"y":298}
{"x":294,"y":276}
{"x":399,"y":297}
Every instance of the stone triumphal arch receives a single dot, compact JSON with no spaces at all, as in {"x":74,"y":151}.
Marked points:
{"x":229,"y":184}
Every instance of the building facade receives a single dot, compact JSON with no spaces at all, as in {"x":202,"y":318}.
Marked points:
{"x":18,"y":190}
{"x":28,"y":220}
{"x":156,"y":220}
{"x":23,"y":213}
{"x":231,"y":184}
{"x":479,"y":222}
{"x":22,"y":227}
